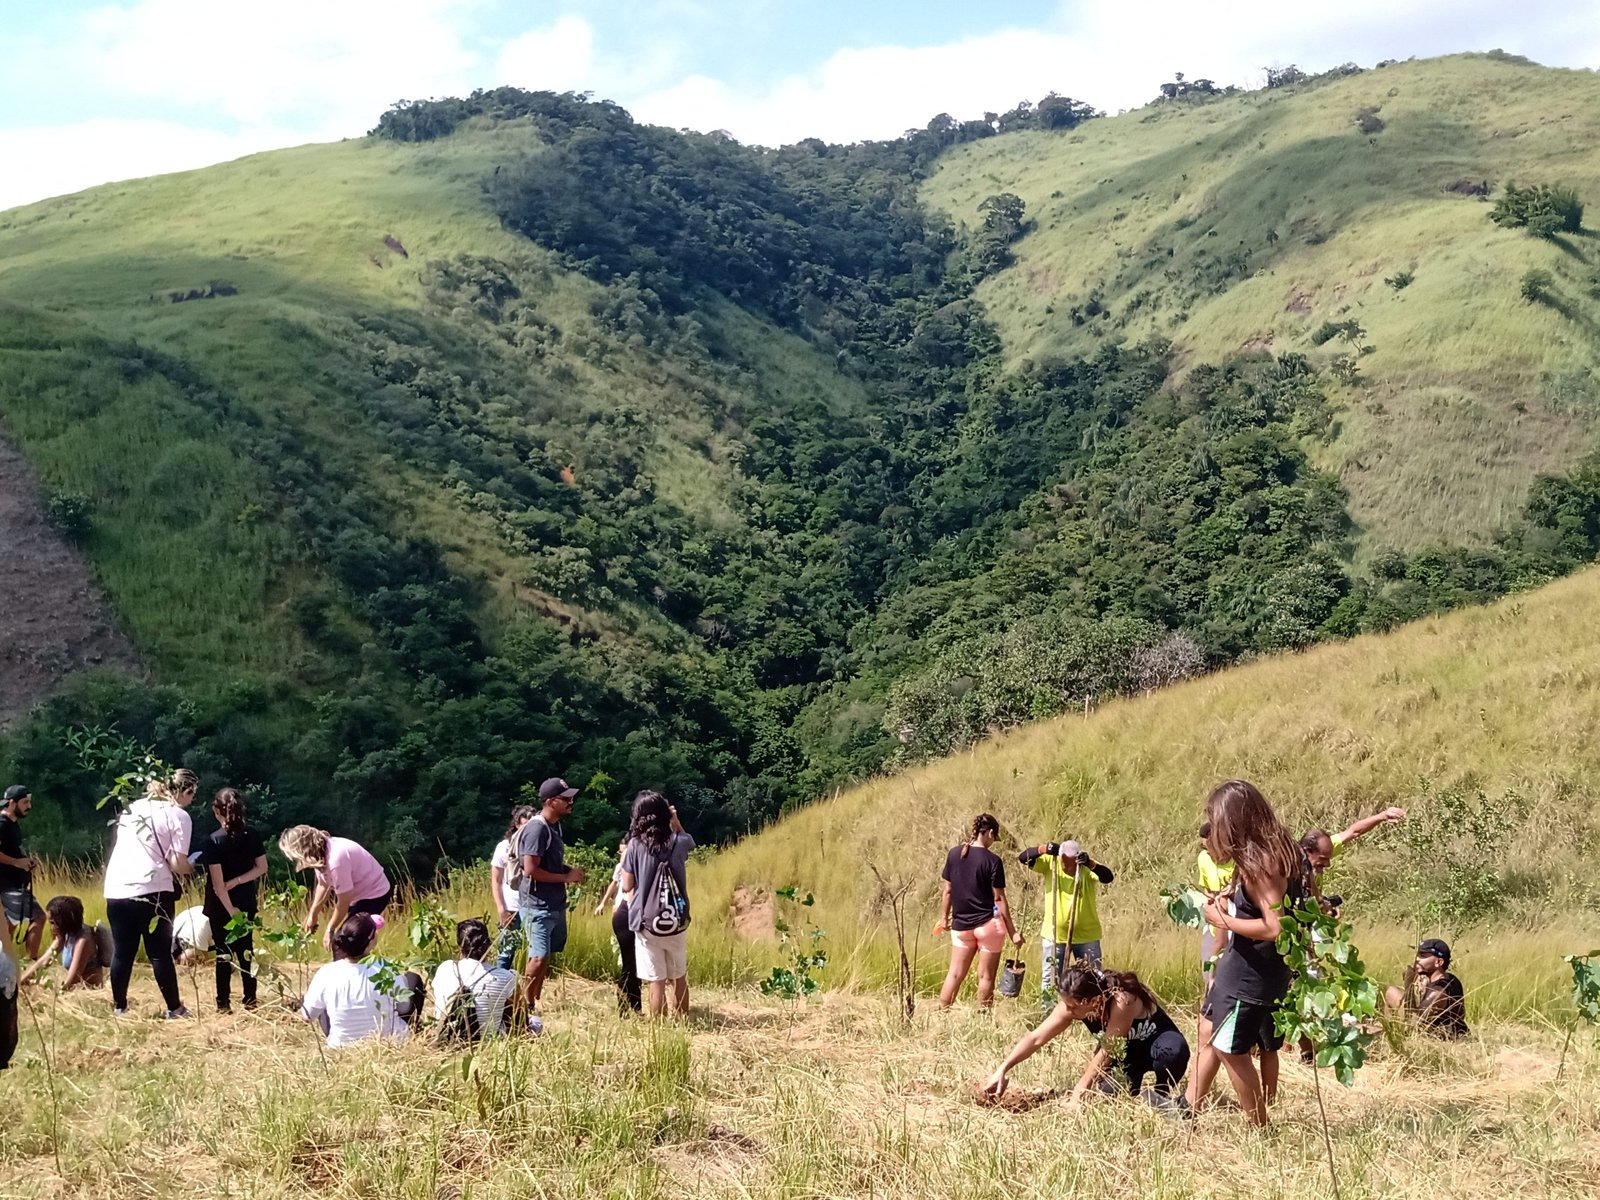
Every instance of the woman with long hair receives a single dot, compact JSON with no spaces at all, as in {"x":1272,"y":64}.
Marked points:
{"x":654,"y":876}
{"x":74,"y":942}
{"x":1251,"y":978}
{"x":975,"y":910}
{"x":235,"y":858}
{"x":148,"y":857}
{"x":628,"y":995}
{"x":1136,"y":1037}
{"x":504,"y":886}
{"x":347,"y":874}
{"x":345,"y":1001}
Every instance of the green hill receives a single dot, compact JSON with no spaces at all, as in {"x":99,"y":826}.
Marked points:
{"x":1246,"y":223}
{"x":520,"y":438}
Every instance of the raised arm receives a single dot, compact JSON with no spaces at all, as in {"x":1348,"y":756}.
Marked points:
{"x":1367,"y":824}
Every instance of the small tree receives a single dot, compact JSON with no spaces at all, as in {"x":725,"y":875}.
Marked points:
{"x":1544,"y":209}
{"x":795,"y":979}
{"x":1585,"y":996}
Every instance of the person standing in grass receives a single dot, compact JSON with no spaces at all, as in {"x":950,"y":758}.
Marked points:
{"x":1320,"y":847}
{"x":347,"y":874}
{"x":148,"y":857}
{"x":470,"y":999}
{"x":1136,"y":1038}
{"x":1251,"y":978}
{"x":74,"y":943}
{"x":235,"y":858}
{"x":628,"y":994}
{"x":505,"y":886}
{"x":975,"y":911}
{"x":1071,"y":907}
{"x":1430,"y":993}
{"x":1213,"y":881}
{"x":654,"y":875}
{"x":543,"y":898}
{"x":16,"y":869}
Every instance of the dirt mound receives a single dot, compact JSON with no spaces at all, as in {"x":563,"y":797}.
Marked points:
{"x":752,"y":914}
{"x":1015,"y":1099}
{"x":53,"y":619}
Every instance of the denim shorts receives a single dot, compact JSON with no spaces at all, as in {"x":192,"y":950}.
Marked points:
{"x":545,"y":928}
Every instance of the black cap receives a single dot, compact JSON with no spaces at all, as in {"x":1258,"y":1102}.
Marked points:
{"x":1435,"y":947}
{"x":556,"y":787}
{"x":16,"y":792}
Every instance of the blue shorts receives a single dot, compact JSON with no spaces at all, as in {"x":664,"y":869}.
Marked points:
{"x":545,"y":929}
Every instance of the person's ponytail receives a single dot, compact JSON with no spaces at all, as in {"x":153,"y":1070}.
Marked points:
{"x":229,"y":811}
{"x":981,"y":824}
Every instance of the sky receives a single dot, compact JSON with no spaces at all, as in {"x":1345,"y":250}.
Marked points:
{"x":92,"y":91}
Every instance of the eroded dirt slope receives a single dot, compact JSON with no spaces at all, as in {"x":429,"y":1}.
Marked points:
{"x":53,"y":619}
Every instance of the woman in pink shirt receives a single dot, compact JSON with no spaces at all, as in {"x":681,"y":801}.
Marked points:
{"x":346,"y":872}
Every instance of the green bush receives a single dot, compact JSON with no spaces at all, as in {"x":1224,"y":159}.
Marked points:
{"x":1544,"y":209}
{"x":1536,"y":285}
{"x":70,"y":513}
{"x":1401,"y":280}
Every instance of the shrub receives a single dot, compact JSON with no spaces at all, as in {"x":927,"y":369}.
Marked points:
{"x":1400,"y":280}
{"x":1544,"y":209}
{"x":1536,"y":285}
{"x":1367,"y":119}
{"x":1350,"y":331}
{"x":70,"y":513}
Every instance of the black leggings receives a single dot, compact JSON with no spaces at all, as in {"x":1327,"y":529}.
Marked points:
{"x":240,"y":951}
{"x":1166,"y":1056}
{"x":148,"y":917}
{"x":373,"y":907}
{"x":628,"y":973}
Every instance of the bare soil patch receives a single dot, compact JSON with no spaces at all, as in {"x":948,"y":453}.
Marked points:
{"x":53,"y":618}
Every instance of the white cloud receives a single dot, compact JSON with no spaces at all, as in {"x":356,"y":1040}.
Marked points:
{"x":1111,"y":56}
{"x":558,"y":59}
{"x":55,"y":161}
{"x":329,"y":66}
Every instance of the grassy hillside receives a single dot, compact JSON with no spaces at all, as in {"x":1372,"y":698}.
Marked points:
{"x":1245,"y":223}
{"x":1500,"y":698}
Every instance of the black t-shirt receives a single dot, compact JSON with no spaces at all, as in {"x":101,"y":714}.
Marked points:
{"x":12,"y":879}
{"x":544,"y":842}
{"x":235,"y":856}
{"x":973,"y":879}
{"x":1448,"y":1017}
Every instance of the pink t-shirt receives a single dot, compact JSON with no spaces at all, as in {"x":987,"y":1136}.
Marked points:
{"x":352,"y":871}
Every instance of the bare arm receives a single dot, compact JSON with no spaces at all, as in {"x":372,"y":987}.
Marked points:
{"x":1368,"y":824}
{"x":255,"y":872}
{"x":944,"y":906}
{"x":319,"y":897}
{"x":532,"y":869}
{"x":1028,"y":1046}
{"x":40,"y":963}
{"x":24,"y":863}
{"x":1004,"y":907}
{"x":1118,"y":1022}
{"x":629,"y":883}
{"x":220,"y":887}
{"x":605,"y":897}
{"x":497,"y":889}
{"x":1268,"y":895}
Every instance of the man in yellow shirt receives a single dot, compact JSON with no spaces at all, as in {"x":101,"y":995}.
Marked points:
{"x":1320,"y":847}
{"x":1071,"y":907}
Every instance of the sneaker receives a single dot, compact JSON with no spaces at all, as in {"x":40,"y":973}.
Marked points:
{"x":177,"y":1014}
{"x":1168,"y":1105}
{"x":119,"y":1012}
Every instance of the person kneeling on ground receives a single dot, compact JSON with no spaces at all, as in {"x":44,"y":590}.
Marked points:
{"x":191,"y":935}
{"x":345,"y":1001}
{"x":653,"y":874}
{"x":1135,"y":1032}
{"x":470,"y":999}
{"x":74,"y":942}
{"x":1431,"y":993}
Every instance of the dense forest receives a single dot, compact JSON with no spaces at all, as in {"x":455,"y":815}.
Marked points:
{"x":948,"y":547}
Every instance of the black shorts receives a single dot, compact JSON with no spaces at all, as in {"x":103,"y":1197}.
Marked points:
{"x":21,"y":908}
{"x":373,"y":907}
{"x":1239,"y":1025}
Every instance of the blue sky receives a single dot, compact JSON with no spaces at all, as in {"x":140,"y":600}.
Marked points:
{"x":96,"y":90}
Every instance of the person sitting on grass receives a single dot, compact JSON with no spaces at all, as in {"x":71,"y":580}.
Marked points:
{"x":346,"y":873}
{"x":975,"y":911}
{"x":345,"y":999}
{"x":470,"y":999}
{"x":73,"y":942}
{"x":1136,"y":1038}
{"x":1430,"y":993}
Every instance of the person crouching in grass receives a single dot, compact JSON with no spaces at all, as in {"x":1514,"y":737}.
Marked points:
{"x":1430,"y":993}
{"x":74,"y":943}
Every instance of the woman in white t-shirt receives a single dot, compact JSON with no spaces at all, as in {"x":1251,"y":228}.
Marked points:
{"x":628,"y":992}
{"x":148,"y":857}
{"x":505,"y":892}
{"x":491,"y":988}
{"x":343,"y":999}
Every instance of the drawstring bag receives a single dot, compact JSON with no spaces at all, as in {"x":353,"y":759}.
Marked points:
{"x":672,"y":909}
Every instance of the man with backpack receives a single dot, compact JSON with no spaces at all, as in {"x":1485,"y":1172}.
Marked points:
{"x":542,"y":894}
{"x":653,"y":873}
{"x":16,"y":869}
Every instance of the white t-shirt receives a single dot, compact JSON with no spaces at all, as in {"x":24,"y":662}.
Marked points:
{"x":342,"y":992}
{"x":502,"y":858}
{"x":621,"y":897}
{"x":193,"y":928}
{"x":491,"y":988}
{"x":147,"y":832}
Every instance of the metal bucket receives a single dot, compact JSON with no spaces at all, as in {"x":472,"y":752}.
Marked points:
{"x":1011,"y":978}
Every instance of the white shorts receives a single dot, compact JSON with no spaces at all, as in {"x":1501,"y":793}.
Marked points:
{"x":662,"y":958}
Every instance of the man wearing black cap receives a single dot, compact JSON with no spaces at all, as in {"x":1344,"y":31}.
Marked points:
{"x":542,"y":900}
{"x":16,"y":869}
{"x":1432,"y":992}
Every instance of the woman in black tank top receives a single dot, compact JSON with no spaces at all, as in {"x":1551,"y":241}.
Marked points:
{"x":1251,"y":978}
{"x":1136,"y":1037}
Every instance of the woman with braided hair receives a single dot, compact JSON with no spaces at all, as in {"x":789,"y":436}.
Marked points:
{"x":975,"y":910}
{"x":1136,"y":1038}
{"x":235,"y":859}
